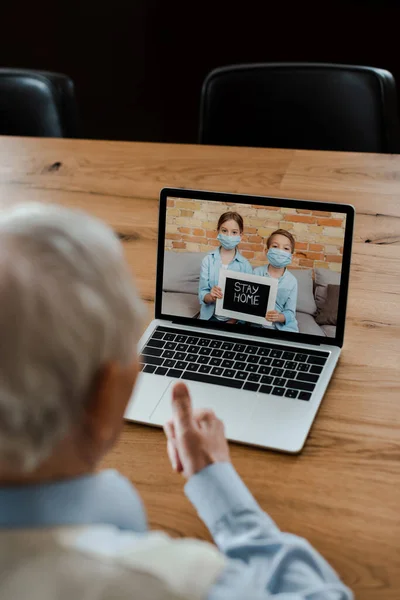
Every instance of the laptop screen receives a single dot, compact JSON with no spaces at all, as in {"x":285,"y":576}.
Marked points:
{"x":264,"y":265}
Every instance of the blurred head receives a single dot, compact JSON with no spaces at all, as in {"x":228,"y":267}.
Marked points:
{"x":230,"y":223}
{"x":281,"y":239}
{"x":69,"y":322}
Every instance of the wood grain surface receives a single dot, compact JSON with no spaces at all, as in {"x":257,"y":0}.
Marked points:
{"x":343,"y":491}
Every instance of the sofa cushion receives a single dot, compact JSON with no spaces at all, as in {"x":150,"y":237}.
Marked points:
{"x":182,"y":271}
{"x":323,"y":277}
{"x":330,"y":330}
{"x":308,"y":325}
{"x":327,"y":314}
{"x":305,"y":296}
{"x":184,"y":305}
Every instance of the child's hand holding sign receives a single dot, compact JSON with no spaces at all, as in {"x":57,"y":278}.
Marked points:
{"x":274,"y":316}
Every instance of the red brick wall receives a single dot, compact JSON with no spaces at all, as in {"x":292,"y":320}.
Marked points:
{"x":191,"y":226}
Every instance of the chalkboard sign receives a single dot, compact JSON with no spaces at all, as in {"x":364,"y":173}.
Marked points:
{"x":246,"y":297}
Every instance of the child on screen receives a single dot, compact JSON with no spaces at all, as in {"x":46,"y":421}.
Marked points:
{"x":226,"y":256}
{"x":280,"y":248}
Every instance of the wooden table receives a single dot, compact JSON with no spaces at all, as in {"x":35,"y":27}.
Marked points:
{"x":343,"y":491}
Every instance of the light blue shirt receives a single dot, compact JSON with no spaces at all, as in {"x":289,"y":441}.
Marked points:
{"x":209,"y":276}
{"x":286,"y":298}
{"x":262,"y":562}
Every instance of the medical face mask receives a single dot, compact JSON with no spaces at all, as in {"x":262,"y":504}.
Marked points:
{"x":229,"y":242}
{"x":279,"y":258}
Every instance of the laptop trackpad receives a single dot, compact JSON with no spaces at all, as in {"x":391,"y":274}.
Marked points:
{"x":233,"y":407}
{"x":145,"y":397}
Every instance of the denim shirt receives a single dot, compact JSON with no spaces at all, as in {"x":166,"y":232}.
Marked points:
{"x":286,"y":298}
{"x":209,"y":276}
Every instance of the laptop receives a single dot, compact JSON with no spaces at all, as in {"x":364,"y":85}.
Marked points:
{"x":265,"y":378}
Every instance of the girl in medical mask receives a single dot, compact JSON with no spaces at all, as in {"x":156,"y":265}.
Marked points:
{"x":226,"y":256}
{"x":280,"y":248}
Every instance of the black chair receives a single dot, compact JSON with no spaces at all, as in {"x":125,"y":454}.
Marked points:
{"x":300,"y":105}
{"x":37,"y":103}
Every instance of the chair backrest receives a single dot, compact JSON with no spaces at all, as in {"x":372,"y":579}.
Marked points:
{"x":300,"y":105}
{"x":37,"y":103}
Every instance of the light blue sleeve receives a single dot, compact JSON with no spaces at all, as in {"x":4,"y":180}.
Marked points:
{"x":262,"y":562}
{"x":204,"y":280}
{"x":289,"y":311}
{"x":248,"y":268}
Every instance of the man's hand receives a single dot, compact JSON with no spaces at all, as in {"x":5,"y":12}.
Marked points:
{"x":275,"y":316}
{"x":194,"y":440}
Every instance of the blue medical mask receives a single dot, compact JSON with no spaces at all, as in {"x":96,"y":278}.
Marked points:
{"x":229,"y":242}
{"x":279,"y":258}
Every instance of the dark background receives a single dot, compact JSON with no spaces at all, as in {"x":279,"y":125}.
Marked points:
{"x":138,"y":66}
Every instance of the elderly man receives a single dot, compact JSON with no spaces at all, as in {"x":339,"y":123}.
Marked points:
{"x":69,"y":322}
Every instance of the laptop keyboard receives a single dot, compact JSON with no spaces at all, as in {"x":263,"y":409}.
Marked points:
{"x":254,"y":366}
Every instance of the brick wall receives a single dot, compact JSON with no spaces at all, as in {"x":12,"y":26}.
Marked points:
{"x":191,"y":226}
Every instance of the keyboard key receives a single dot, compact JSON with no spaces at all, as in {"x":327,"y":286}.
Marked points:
{"x":203,"y":360}
{"x":229,"y":354}
{"x":171,"y":346}
{"x":277,"y":372}
{"x":288,"y":355}
{"x":215,"y":362}
{"x":192,"y":340}
{"x":252,"y":358}
{"x":227,"y":364}
{"x":276,"y":353}
{"x":279,"y":381}
{"x":191,"y":357}
{"x":241,"y":375}
{"x":292,"y":393}
{"x":278,"y":362}
{"x":180,"y":364}
{"x":203,"y":342}
{"x":304,"y":395}
{"x":152,"y":360}
{"x":265,"y":360}
{"x":217,"y":371}
{"x":205,"y":377}
{"x":263,"y":351}
{"x":307,"y":377}
{"x":174,"y":373}
{"x":251,"y":368}
{"x":168,"y":354}
{"x":315,"y":369}
{"x":205,"y":351}
{"x":240,"y":366}
{"x":180,"y":355}
{"x":149,"y":368}
{"x":240,"y":356}
{"x":169,"y":363}
{"x":161,"y":371}
{"x":252,"y":387}
{"x":227,"y":346}
{"x":316,"y":360}
{"x":193,"y":349}
{"x":156,"y":343}
{"x":254,"y":377}
{"x":278,"y":391}
{"x":152,"y":351}
{"x":303,"y":367}
{"x":300,"y":385}
{"x":301,"y":357}
{"x":239,"y":347}
{"x":217,"y":353}
{"x":289,"y":374}
{"x":158,"y":335}
{"x":251,"y":349}
{"x":169,"y":336}
{"x":267,"y":379}
{"x":229,"y":373}
{"x":265,"y":389}
{"x":204,"y":369}
{"x":181,"y":339}
{"x":215,"y":344}
{"x":182,"y":347}
{"x":289,"y":364}
{"x":264,"y":370}
{"x":192,"y":366}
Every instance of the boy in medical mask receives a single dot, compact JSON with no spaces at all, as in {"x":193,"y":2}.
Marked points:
{"x":226,"y":256}
{"x":280,"y":246}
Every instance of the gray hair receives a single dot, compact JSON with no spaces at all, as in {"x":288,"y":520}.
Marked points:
{"x":68,"y":305}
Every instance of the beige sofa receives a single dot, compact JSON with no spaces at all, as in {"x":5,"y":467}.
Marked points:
{"x":181,"y":285}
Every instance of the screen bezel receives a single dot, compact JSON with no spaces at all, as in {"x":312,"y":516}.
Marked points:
{"x":264,"y":333}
